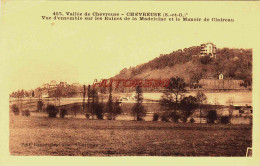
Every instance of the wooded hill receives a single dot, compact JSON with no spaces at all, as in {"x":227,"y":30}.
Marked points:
{"x":231,"y":62}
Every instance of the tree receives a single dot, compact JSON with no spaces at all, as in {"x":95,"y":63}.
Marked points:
{"x":230,"y":102}
{"x":112,"y":108}
{"x":20,"y":96}
{"x":39,"y":105}
{"x":93,"y":94}
{"x":138,"y":110}
{"x":212,"y":116}
{"x":84,"y":96}
{"x":188,"y":106}
{"x":58,"y":94}
{"x":75,"y":109}
{"x":94,"y":107}
{"x":88,"y":103}
{"x":201,"y":99}
{"x":109,"y":106}
{"x":117,"y":108}
{"x":99,"y":110}
{"x":172,"y":96}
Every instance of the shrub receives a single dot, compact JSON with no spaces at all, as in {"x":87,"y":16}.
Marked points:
{"x":192,"y":120}
{"x":26,"y":113}
{"x":225,"y":119}
{"x":156,"y":117}
{"x":52,"y":111}
{"x":165,"y":118}
{"x":15,"y":109}
{"x":174,"y":117}
{"x":63,"y":113}
{"x":140,"y":119}
{"x":87,"y":115}
{"x":212,"y":116}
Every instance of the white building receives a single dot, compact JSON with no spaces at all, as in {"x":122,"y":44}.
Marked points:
{"x":45,"y":95}
{"x":208,"y":49}
{"x":221,"y":77}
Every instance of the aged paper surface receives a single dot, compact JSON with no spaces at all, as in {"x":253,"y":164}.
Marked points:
{"x":89,"y":80}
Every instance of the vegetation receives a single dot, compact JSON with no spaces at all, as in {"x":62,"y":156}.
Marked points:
{"x":156,"y":117}
{"x":63,"y":113}
{"x":112,"y":108}
{"x":224,"y":119}
{"x":26,"y":113}
{"x":52,"y":111}
{"x":138,"y":111}
{"x":125,"y":138}
{"x":232,"y":63}
{"x":15,"y":109}
{"x":201,"y":99}
{"x":172,"y":96}
{"x":40,"y":105}
{"x":230,"y":102}
{"x":212,"y":116}
{"x":192,"y":120}
{"x":188,"y":106}
{"x":75,"y":109}
{"x":99,"y":110}
{"x":109,"y":107}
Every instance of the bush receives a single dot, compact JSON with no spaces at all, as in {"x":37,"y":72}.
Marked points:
{"x":225,"y":119}
{"x":155,"y":117}
{"x":15,"y":109}
{"x":26,"y":113}
{"x":165,"y":118}
{"x":212,"y":116}
{"x":63,"y":113}
{"x":87,"y":115}
{"x":192,"y":120}
{"x":52,"y":111}
{"x":140,"y":119}
{"x":174,"y":117}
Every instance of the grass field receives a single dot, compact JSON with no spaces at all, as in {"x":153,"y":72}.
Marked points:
{"x":38,"y":135}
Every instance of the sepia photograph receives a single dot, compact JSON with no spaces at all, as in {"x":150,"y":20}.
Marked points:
{"x":150,"y":79}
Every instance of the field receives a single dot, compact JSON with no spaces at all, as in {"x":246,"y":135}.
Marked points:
{"x":39,"y":135}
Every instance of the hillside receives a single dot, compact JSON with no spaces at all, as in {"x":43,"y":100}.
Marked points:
{"x":231,"y":62}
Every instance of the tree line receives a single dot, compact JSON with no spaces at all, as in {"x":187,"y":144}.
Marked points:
{"x":177,"y":107}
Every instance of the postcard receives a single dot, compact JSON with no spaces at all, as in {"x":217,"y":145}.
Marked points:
{"x":120,"y":82}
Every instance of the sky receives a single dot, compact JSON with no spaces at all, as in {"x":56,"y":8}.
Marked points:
{"x":34,"y":51}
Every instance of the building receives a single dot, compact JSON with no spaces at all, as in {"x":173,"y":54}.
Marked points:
{"x":63,"y":84}
{"x":45,"y":94}
{"x":208,"y":49}
{"x":221,"y":77}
